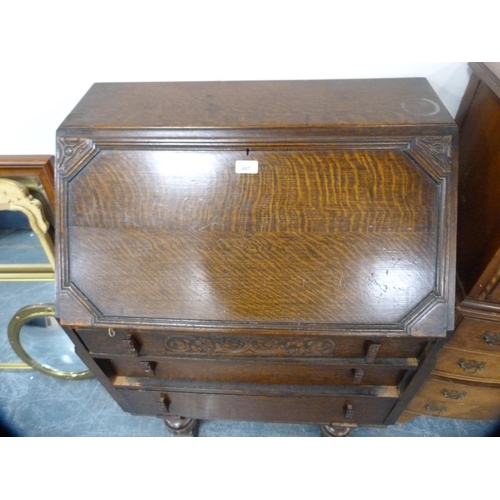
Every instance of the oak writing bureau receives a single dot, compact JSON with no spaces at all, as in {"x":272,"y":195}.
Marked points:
{"x":275,"y":251}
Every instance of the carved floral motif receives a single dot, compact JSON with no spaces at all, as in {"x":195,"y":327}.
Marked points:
{"x":248,"y":346}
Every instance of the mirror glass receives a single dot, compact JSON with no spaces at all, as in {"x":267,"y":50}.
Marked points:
{"x":46,"y":342}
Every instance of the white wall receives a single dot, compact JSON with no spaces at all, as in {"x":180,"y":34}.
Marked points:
{"x":52,"y":51}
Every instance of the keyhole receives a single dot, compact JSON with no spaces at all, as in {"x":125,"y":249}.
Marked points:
{"x":248,"y":151}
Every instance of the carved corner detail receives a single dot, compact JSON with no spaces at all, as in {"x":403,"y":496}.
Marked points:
{"x":436,"y":153}
{"x":71,"y":152}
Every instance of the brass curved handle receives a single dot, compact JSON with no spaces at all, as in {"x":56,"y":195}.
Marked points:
{"x":453,"y":394}
{"x":492,"y":338}
{"x":470,"y":366}
{"x":21,"y":317}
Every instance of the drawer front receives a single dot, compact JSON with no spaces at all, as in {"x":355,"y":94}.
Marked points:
{"x":477,"y":335}
{"x":261,"y":372}
{"x":450,"y":399}
{"x":306,"y":408}
{"x":465,"y":365}
{"x":276,"y":345}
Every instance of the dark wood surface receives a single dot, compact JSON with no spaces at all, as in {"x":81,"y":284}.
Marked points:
{"x":479,"y":185}
{"x":260,"y":104}
{"x":315,"y":290}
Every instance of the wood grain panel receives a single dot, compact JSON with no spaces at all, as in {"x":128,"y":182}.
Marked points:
{"x":230,"y":105}
{"x":313,"y":237}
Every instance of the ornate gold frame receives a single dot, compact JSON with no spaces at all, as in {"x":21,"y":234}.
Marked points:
{"x":27,"y":186}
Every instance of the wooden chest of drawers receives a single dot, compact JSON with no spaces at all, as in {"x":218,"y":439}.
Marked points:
{"x":279,"y":251}
{"x":466,"y":380}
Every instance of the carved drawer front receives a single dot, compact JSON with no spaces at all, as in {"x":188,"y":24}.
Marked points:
{"x":467,"y":365}
{"x":277,"y":407}
{"x":118,"y":341}
{"x":477,"y":334}
{"x":454,"y":400}
{"x":314,"y":372}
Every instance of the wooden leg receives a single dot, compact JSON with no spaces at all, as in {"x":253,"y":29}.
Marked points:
{"x":181,"y":426}
{"x":336,"y":430}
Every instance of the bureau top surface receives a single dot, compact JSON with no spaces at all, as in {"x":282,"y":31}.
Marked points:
{"x":259,"y":104}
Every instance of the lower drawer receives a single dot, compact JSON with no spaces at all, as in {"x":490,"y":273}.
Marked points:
{"x":366,"y":410}
{"x":465,"y":365}
{"x":454,"y":400}
{"x":310,"y":372}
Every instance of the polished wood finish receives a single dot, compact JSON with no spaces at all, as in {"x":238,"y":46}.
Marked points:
{"x":317,"y":289}
{"x":468,"y":366}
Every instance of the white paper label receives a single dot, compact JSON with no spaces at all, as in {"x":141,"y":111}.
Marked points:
{"x":247,"y":167}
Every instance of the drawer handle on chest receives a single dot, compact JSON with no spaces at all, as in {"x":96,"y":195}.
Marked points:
{"x":348,"y":411}
{"x":149,"y":367}
{"x":453,"y":394}
{"x":358,"y":375}
{"x":372,"y":352}
{"x":164,"y":405}
{"x":131,"y":345}
{"x":470,"y":366}
{"x":435,"y":410}
{"x":492,"y":338}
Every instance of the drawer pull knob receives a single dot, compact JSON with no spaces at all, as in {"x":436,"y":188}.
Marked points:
{"x":435,"y":410}
{"x":111,"y":332}
{"x":453,"y":394}
{"x":372,"y":352}
{"x":131,"y":345}
{"x":470,"y":366}
{"x":349,"y":412}
{"x":358,"y":375}
{"x":164,"y":405}
{"x":492,"y":338}
{"x":149,"y":367}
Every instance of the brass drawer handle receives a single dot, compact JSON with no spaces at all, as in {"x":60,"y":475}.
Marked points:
{"x":492,"y":338}
{"x":471,"y":366}
{"x":453,"y":394}
{"x":435,"y":410}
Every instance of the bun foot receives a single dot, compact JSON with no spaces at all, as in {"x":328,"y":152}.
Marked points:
{"x":181,"y":426}
{"x":335,"y":430}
